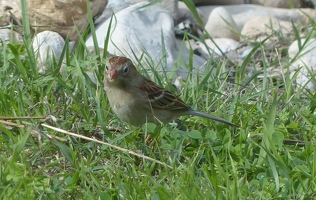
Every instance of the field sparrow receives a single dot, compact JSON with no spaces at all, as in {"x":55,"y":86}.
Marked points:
{"x":137,"y":100}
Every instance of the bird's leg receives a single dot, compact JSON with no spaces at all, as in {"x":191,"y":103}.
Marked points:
{"x":147,"y":138}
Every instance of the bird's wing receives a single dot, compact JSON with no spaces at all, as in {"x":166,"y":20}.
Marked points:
{"x":161,"y":98}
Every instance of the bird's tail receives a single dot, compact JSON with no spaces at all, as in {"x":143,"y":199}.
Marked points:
{"x":212,"y":117}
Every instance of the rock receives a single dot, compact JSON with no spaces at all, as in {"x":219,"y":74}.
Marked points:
{"x":115,"y":6}
{"x":244,"y":51}
{"x":268,"y":25}
{"x":281,"y":3}
{"x":221,"y":24}
{"x":225,"y":45}
{"x":64,"y":17}
{"x":5,"y":8}
{"x":170,"y":5}
{"x":242,"y":13}
{"x":184,"y":13}
{"x":186,"y":22}
{"x":218,"y":2}
{"x":271,"y":3}
{"x":198,"y":62}
{"x":137,"y":32}
{"x":304,"y":66}
{"x":8,"y":36}
{"x":47,"y":44}
{"x":182,"y":16}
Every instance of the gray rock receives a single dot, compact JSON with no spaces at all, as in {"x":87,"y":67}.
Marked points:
{"x":141,"y":32}
{"x":243,"y":13}
{"x":47,"y":44}
{"x":7,"y":35}
{"x":183,"y":49}
{"x":137,"y":30}
{"x":225,"y":45}
{"x":268,"y":25}
{"x":220,"y":24}
{"x":304,"y":66}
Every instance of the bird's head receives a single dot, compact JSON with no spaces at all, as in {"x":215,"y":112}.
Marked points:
{"x":119,"y":70}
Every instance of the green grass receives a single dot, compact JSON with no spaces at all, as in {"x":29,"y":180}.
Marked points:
{"x":271,"y":156}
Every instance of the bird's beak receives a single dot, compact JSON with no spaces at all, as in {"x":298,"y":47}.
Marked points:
{"x":113,"y":74}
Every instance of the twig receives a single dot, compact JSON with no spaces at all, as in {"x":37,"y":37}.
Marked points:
{"x":11,"y":123}
{"x":17,"y":118}
{"x":105,"y":143}
{"x":34,"y":132}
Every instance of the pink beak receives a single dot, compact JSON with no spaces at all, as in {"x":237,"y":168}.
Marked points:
{"x":114,"y":74}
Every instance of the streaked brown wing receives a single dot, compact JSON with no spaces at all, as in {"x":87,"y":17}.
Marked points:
{"x":162,"y":98}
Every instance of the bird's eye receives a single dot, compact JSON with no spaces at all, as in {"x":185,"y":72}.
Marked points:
{"x":125,"y":70}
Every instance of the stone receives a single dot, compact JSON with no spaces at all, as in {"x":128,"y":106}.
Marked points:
{"x":65,"y":17}
{"x":198,"y":62}
{"x":5,"y":8}
{"x":140,"y":31}
{"x":184,"y":13}
{"x":115,"y":6}
{"x":8,"y":36}
{"x":225,"y":45}
{"x":268,"y":25}
{"x":218,"y":2}
{"x":146,"y":34}
{"x":281,"y":3}
{"x":241,"y":14}
{"x":47,"y":44}
{"x":221,"y":24}
{"x":304,"y":66}
{"x":270,"y":3}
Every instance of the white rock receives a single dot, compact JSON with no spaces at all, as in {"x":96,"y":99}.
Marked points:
{"x":260,"y":27}
{"x":304,"y":66}
{"x":271,"y":3}
{"x":278,"y":3}
{"x":218,"y":2}
{"x":242,"y":13}
{"x":137,"y":30}
{"x":115,"y":6}
{"x":220,"y":24}
{"x":225,"y":45}
{"x":141,"y":32}
{"x":47,"y":44}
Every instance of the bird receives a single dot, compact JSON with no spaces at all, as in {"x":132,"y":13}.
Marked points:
{"x":137,"y":100}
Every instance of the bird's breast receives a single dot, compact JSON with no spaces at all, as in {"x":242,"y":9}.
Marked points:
{"x":124,"y":104}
